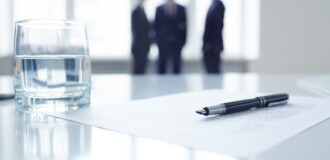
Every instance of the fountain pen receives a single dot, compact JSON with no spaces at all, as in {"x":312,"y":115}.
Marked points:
{"x":242,"y":105}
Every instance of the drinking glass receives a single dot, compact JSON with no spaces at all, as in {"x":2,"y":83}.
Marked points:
{"x":52,"y":66}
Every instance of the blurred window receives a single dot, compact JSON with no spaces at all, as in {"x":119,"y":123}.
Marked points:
{"x":39,"y":9}
{"x":109,"y":26}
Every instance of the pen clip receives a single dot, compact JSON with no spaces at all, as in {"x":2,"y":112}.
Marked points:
{"x":278,"y":103}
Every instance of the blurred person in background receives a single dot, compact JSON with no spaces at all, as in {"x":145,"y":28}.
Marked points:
{"x":141,"y":40}
{"x":171,"y":32}
{"x":212,"y":39}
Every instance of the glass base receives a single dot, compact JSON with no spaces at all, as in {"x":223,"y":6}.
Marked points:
{"x":58,"y":104}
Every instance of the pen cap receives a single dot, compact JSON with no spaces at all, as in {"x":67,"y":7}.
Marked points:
{"x":275,"y":99}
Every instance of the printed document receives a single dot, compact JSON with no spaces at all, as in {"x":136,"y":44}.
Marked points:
{"x":173,"y":119}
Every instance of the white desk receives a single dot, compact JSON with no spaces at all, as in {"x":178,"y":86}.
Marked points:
{"x":25,"y":136}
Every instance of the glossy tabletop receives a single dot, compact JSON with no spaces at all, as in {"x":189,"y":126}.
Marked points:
{"x":35,"y":136}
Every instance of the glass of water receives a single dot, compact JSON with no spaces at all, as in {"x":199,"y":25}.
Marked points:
{"x":52,"y":66}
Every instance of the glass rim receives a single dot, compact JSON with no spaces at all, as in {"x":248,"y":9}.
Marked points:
{"x":50,"y":23}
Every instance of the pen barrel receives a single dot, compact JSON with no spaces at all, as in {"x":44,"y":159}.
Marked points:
{"x":264,"y":101}
{"x":242,"y":105}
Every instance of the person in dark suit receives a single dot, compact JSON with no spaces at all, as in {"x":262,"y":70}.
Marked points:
{"x":212,"y":40}
{"x":170,"y":28}
{"x":141,"y":40}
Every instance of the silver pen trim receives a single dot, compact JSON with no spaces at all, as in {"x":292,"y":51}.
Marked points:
{"x":262,"y":101}
{"x":218,"y":109}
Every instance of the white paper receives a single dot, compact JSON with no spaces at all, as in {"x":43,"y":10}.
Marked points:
{"x":173,"y":119}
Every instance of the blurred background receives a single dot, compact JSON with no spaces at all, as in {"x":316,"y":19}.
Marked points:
{"x":262,"y":36}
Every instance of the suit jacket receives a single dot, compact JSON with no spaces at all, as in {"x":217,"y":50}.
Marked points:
{"x":140,"y":29}
{"x":213,"y":26}
{"x":170,"y":31}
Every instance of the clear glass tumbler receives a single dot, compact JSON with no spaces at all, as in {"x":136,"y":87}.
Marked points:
{"x":52,"y":66}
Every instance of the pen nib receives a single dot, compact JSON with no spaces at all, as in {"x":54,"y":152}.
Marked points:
{"x":201,"y":112}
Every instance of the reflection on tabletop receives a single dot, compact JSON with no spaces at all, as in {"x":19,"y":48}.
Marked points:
{"x":42,"y":137}
{"x":36,"y":136}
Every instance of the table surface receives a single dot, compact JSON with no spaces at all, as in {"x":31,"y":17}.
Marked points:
{"x":33,"y":136}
